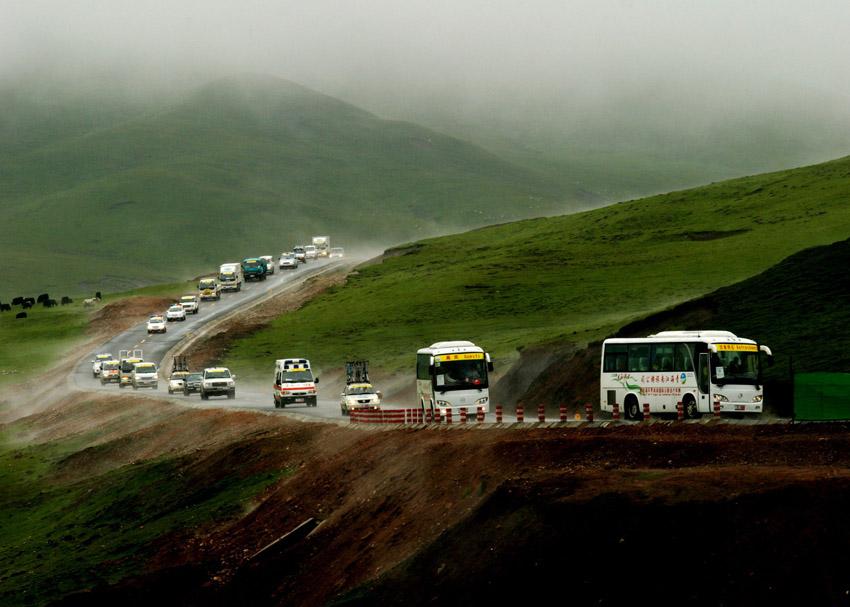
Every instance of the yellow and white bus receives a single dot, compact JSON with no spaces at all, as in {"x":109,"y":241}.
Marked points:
{"x":696,"y":368}
{"x":453,"y":375}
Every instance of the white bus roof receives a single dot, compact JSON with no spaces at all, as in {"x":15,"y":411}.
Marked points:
{"x":709,"y":337}
{"x":449,"y":347}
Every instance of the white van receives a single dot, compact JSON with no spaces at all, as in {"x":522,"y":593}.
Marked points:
{"x":144,"y":375}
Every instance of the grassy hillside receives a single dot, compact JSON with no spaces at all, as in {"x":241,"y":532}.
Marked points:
{"x":239,"y":167}
{"x":578,"y":277}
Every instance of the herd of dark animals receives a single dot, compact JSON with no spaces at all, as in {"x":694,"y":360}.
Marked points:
{"x":44,"y":300}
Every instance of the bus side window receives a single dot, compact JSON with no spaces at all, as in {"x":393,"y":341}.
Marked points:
{"x":639,"y":357}
{"x":684,"y":358}
{"x":703,"y":372}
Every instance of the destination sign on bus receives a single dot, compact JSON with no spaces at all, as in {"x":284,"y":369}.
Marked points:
{"x":736,"y":348}
{"x":464,"y":356}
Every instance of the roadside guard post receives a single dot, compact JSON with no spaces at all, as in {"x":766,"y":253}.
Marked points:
{"x":498,"y":414}
{"x":615,"y":414}
{"x":680,"y":410}
{"x":520,"y":414}
{"x":563,"y":413}
{"x":717,"y":408}
{"x":588,"y":412}
{"x":646,"y":412}
{"x":541,"y":412}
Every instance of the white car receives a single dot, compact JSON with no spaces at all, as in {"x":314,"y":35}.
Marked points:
{"x":359,"y":396}
{"x":96,"y":362}
{"x":144,"y":375}
{"x":156,"y":324}
{"x":337,"y":252}
{"x":311,"y":252}
{"x":190,"y":303}
{"x":176,"y":312}
{"x":175,"y":382}
{"x":288,"y":261}
{"x":218,"y":381}
{"x":269,"y":263}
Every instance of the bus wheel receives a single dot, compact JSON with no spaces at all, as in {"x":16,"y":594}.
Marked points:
{"x":632,"y":409}
{"x":691,"y":411}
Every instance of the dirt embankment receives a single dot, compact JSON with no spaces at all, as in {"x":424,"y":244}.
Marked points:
{"x":701,"y":513}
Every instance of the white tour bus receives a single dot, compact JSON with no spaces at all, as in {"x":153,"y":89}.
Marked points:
{"x":452,"y":375}
{"x":695,"y":368}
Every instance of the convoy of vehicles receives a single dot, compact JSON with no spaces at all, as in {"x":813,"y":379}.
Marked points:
{"x":144,"y":375}
{"x":451,"y":376}
{"x":269,"y":261}
{"x":157,"y":324}
{"x":218,"y":381}
{"x":695,"y":368}
{"x":190,"y":303}
{"x":97,"y":361}
{"x":322,"y":244}
{"x":175,"y":312}
{"x":209,"y":289}
{"x":230,"y":276}
{"x":294,"y":383}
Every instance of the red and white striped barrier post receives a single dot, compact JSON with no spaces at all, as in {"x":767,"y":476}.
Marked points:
{"x":448,"y":416}
{"x":520,"y":414}
{"x":541,"y":412}
{"x":463,"y":415}
{"x":428,"y":418}
{"x":498,"y":414}
{"x":352,"y":416}
{"x":680,"y":410}
{"x":588,"y":412}
{"x":646,"y":412}
{"x":615,"y":414}
{"x":717,"y":408}
{"x":563,"y":412}
{"x":480,"y":414}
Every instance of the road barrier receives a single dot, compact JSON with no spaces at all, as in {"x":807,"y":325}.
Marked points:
{"x":389,"y":416}
{"x":646,"y":412}
{"x":563,"y":414}
{"x":463,"y":413}
{"x":520,"y":414}
{"x":448,"y":416}
{"x":680,"y":410}
{"x":588,"y":412}
{"x":480,"y":414}
{"x":498,"y":414}
{"x":717,"y":408}
{"x":541,"y":412}
{"x":615,"y":413}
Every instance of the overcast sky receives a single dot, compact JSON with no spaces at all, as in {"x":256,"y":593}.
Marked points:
{"x":742,"y":48}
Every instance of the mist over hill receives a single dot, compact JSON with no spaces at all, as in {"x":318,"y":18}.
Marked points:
{"x":104,"y":194}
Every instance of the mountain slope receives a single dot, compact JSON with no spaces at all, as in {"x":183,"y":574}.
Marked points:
{"x":241,"y":167}
{"x":576,"y":278}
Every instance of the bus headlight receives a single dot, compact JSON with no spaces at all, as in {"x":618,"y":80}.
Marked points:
{"x":721,"y":398}
{"x":482,"y":401}
{"x":443,"y":403}
{"x":758,"y":398}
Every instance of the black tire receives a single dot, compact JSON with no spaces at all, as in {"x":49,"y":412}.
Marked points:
{"x":204,"y":396}
{"x":631,"y":409}
{"x":691,"y":411}
{"x":344,"y":411}
{"x":170,"y":391}
{"x":135,"y":387}
{"x":231,"y":394}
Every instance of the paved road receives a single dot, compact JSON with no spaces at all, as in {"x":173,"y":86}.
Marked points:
{"x":158,"y":348}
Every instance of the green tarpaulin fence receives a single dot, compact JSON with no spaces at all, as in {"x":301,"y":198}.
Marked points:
{"x":822,"y":396}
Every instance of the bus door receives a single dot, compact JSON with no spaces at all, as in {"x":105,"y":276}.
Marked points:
{"x":704,"y":383}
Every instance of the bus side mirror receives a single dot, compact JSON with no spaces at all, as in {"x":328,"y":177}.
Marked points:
{"x":489,"y":366}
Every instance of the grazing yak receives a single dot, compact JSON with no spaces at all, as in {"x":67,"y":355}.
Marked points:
{"x":17,"y":301}
{"x":67,"y":300}
{"x":49,"y":303}
{"x":21,"y":315}
{"x":42,"y":298}
{"x":5,"y":307}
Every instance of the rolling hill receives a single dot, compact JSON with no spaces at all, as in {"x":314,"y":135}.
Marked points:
{"x":571,"y":279}
{"x":238,"y":167}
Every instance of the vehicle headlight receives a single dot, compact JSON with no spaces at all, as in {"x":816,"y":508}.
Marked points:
{"x":758,"y":398}
{"x":443,"y":403}
{"x":482,"y":401}
{"x":721,"y":398}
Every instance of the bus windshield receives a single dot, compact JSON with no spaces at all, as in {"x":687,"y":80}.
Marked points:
{"x":735,"y":366}
{"x":460,"y":375}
